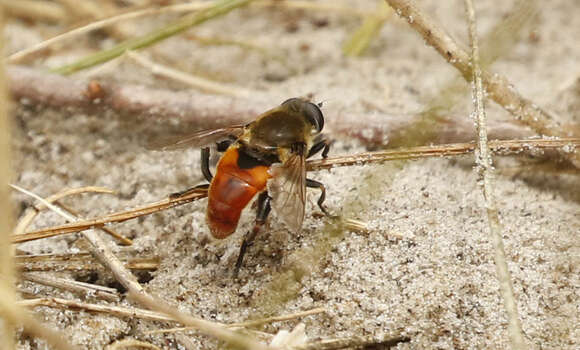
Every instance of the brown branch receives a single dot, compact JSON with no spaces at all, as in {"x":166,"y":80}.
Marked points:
{"x":31,"y":86}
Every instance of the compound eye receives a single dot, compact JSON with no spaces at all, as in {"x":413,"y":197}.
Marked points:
{"x":292,"y":102}
{"x":310,"y":110}
{"x":314,"y":115}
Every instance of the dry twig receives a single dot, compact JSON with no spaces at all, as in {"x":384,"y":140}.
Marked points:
{"x":485,"y":170}
{"x":102,"y":251}
{"x":500,"y":147}
{"x":353,"y":342}
{"x":22,"y":55}
{"x":117,"y":311}
{"x":79,"y":262}
{"x":497,"y":86}
{"x":86,"y":289}
{"x":252,"y":323}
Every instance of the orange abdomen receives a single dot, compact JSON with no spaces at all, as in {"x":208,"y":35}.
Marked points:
{"x":231,"y":190}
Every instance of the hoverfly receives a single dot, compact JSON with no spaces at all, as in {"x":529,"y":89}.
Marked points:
{"x":264,"y":157}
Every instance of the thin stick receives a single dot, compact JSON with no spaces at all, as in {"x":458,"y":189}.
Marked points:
{"x":24,"y":54}
{"x":129,"y":343}
{"x":122,"y":239}
{"x":85,"y":289}
{"x":101,"y":250}
{"x":78,"y":262}
{"x":500,"y":147}
{"x":214,"y":329}
{"x":16,"y":314}
{"x":117,"y":311}
{"x":497,"y":86}
{"x":273,"y":319}
{"x":485,"y":172}
{"x":115,"y":217}
{"x":353,"y":342}
{"x":27,"y":218}
{"x":252,"y":323}
{"x":68,"y":216}
{"x":189,"y":79}
{"x":218,"y":9}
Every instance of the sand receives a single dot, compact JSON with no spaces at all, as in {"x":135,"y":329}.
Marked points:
{"x":425,"y":265}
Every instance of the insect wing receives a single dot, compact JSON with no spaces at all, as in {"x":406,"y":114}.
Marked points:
{"x":198,"y":139}
{"x":288,"y":190}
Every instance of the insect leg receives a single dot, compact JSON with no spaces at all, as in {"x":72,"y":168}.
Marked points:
{"x":223,"y":145}
{"x":205,"y":164}
{"x":315,"y":184}
{"x":320,"y":144}
{"x":262,"y":214}
{"x":189,"y":190}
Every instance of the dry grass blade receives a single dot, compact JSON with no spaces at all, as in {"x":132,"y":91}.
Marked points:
{"x":360,"y":40}
{"x":85,"y":289}
{"x":191,"y":80}
{"x":101,"y":250}
{"x":117,"y":311}
{"x":70,"y":217}
{"x":353,"y":342}
{"x":31,"y":213}
{"x":78,"y":262}
{"x":485,"y":170}
{"x":252,"y":323}
{"x":219,"y":8}
{"x":131,"y":344}
{"x":24,"y":54}
{"x":116,"y":217}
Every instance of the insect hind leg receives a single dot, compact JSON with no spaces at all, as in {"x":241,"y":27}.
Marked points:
{"x":264,"y":208}
{"x":315,"y":184}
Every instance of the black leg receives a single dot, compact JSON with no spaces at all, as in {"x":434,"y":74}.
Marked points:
{"x":222,"y":146}
{"x":205,"y":164}
{"x":189,"y":190}
{"x":315,"y":184}
{"x":319,"y":144}
{"x":262,"y":214}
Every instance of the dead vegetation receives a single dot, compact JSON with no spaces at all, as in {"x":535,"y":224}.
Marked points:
{"x":97,"y":276}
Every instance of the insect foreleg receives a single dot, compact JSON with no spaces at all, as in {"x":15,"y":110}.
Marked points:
{"x":319,"y":145}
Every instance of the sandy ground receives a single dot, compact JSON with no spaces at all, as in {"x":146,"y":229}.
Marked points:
{"x":425,"y":266}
